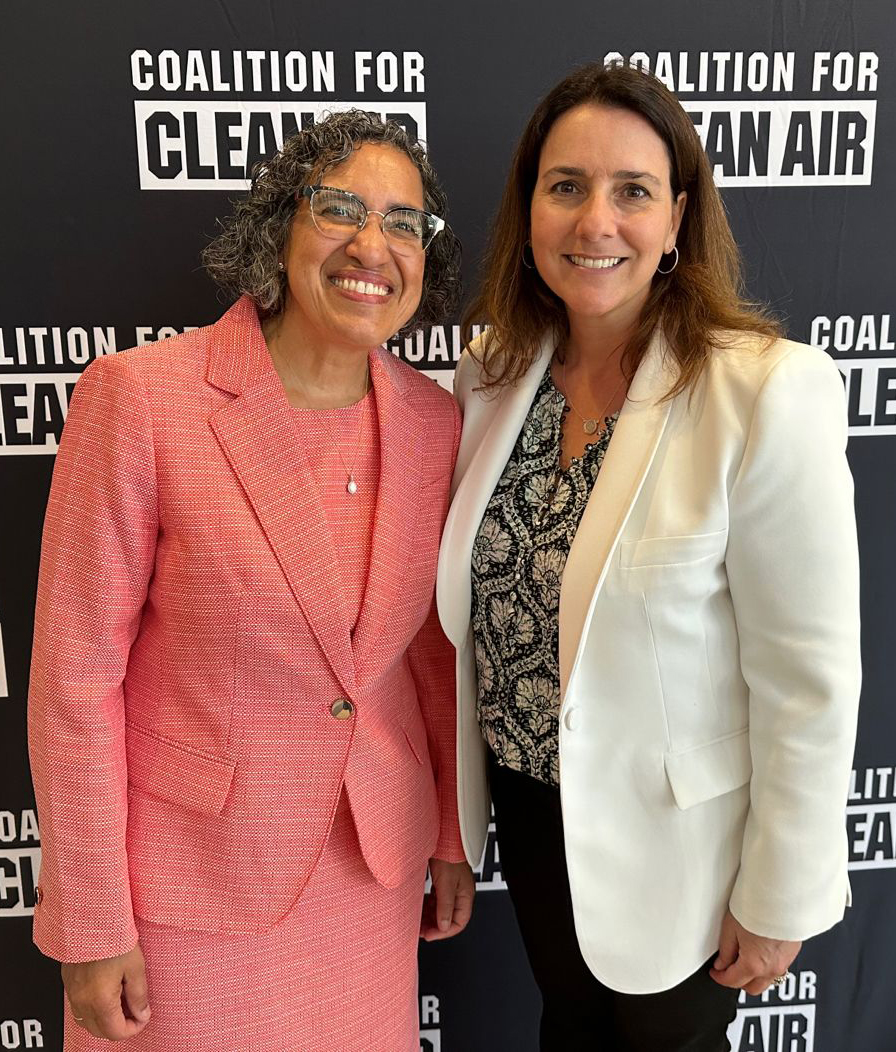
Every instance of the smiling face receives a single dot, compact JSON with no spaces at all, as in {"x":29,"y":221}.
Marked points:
{"x":359,"y":292}
{"x":603,"y":213}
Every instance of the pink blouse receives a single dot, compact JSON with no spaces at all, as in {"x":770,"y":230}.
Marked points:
{"x":339,"y":443}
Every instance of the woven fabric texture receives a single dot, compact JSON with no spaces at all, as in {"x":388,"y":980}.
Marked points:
{"x":192,"y":637}
{"x":339,"y":974}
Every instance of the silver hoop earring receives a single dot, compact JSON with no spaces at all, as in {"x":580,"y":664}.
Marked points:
{"x":280,"y":266}
{"x":674,"y":265}
{"x":531,"y":266}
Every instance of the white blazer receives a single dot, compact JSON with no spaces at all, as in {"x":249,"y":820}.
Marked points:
{"x":709,"y":656}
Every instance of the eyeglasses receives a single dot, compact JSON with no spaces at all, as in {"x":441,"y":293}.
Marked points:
{"x":340,"y":215}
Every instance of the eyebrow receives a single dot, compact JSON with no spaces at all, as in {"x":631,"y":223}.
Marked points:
{"x":621,"y":174}
{"x":342,"y":189}
{"x":643,"y":176}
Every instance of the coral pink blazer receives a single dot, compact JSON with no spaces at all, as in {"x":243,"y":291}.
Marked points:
{"x":191,"y":650}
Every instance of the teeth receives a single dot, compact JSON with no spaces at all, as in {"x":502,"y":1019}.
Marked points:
{"x":365,"y":287}
{"x":596,"y":264}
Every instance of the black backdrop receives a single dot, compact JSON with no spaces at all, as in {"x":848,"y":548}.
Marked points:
{"x":124,"y":129}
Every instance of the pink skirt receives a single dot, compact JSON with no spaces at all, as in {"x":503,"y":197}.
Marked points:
{"x":338,"y":974}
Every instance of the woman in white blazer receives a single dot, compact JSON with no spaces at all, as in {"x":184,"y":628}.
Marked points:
{"x":650,"y":574}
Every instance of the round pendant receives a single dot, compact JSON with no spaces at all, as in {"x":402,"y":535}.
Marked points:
{"x":351,"y":486}
{"x":589,"y":427}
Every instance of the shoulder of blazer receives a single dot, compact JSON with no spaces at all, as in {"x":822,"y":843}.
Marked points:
{"x":749,"y":357}
{"x":468,"y":381}
{"x":161,"y":362}
{"x":424,"y":395}
{"x":745,"y":367}
{"x":468,"y":372}
{"x":152,"y":368}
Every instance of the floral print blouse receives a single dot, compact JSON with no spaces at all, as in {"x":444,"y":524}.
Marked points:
{"x":518,"y":560}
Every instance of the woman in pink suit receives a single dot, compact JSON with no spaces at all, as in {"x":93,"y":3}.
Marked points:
{"x":242,"y":706}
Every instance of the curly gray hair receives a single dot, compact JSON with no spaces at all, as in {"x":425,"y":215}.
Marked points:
{"x":243,"y":258}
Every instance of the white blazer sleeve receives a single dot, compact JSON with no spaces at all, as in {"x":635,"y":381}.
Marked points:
{"x":792,"y":565}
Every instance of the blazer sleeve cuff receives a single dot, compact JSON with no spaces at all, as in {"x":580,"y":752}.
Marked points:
{"x":449,"y":847}
{"x":794,"y":922}
{"x":75,"y":943}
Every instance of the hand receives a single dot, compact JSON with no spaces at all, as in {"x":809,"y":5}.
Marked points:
{"x":447,"y":908}
{"x":109,"y":997}
{"x":750,"y":962}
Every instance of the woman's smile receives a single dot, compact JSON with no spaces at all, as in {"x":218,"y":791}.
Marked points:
{"x":363,"y":286}
{"x":595,"y":262}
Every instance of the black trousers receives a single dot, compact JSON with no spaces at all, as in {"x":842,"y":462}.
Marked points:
{"x":580,"y":1014}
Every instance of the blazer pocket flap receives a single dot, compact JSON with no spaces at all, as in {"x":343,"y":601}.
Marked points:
{"x":177,"y":773}
{"x":709,"y":770}
{"x":671,"y":551}
{"x":415,"y":734}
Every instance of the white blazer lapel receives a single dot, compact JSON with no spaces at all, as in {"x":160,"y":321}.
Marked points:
{"x":628,"y":458}
{"x":474,"y":490}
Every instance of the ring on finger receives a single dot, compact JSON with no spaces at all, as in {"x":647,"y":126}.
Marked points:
{"x":780,"y":980}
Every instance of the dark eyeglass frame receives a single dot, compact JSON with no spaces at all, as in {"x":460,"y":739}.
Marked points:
{"x":434,"y":223}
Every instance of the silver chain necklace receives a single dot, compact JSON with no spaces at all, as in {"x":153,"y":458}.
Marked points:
{"x":590,"y":425}
{"x":351,"y":486}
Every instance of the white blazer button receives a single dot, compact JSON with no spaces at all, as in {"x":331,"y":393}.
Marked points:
{"x":342,"y":709}
{"x":571,"y":718}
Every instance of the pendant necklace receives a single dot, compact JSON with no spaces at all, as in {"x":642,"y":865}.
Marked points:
{"x":351,"y":486}
{"x":590,"y":425}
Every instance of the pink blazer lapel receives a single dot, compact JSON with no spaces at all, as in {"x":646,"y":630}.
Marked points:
{"x":256,"y":434}
{"x":402,"y":436}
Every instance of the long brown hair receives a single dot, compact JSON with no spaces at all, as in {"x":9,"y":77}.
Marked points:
{"x":693,"y":305}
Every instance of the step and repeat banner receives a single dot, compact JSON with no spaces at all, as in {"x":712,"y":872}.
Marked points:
{"x":128,"y":128}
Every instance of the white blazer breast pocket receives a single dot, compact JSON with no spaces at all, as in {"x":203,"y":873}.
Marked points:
{"x":680,"y":585}
{"x":659,"y":557}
